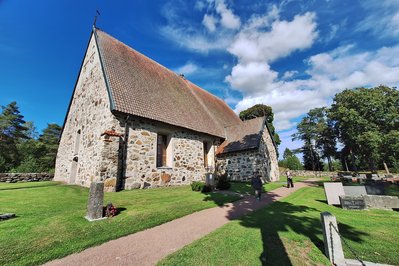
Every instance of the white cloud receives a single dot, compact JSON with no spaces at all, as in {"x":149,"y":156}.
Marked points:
{"x":381,"y":19}
{"x":209,"y":22}
{"x":289,"y":74}
{"x":228,"y":19}
{"x":251,"y":78}
{"x":330,"y":73}
{"x":187,"y":69}
{"x":284,"y":37}
{"x":193,"y":40}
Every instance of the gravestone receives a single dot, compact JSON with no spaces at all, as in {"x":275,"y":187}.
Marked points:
{"x":375,"y":189}
{"x":333,"y":191}
{"x":381,"y":202}
{"x":355,"y":190}
{"x":95,"y":202}
{"x":332,"y":241}
{"x":352,"y":202}
{"x":210,"y":179}
{"x":7,"y":216}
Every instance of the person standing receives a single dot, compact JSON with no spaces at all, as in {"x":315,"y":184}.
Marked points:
{"x":257,"y":186}
{"x":290,"y":182}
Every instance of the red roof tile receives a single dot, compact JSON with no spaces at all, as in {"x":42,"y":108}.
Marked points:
{"x":142,"y":87}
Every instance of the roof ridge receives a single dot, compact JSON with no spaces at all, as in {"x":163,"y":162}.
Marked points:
{"x":140,"y":53}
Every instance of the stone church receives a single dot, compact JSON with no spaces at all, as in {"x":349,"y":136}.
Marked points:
{"x":133,"y":123}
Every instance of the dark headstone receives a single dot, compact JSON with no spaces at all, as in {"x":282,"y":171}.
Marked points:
{"x":210,"y":179}
{"x":96,"y":201}
{"x":352,"y":203}
{"x":355,"y":190}
{"x":7,"y":216}
{"x":375,"y":189}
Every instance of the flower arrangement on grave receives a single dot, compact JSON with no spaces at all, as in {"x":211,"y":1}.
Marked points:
{"x":110,"y":210}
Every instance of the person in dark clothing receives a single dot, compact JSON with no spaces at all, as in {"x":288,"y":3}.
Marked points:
{"x":257,"y":186}
{"x":290,"y":182}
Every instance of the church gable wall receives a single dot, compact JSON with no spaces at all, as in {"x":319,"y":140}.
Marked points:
{"x":81,"y":149}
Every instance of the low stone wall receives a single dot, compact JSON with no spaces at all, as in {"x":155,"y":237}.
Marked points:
{"x":25,"y":177}
{"x":310,"y":173}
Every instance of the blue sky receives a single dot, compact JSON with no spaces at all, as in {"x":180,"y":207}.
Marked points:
{"x":291,"y":55}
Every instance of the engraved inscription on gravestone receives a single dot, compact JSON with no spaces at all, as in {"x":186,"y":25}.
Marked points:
{"x":352,"y":203}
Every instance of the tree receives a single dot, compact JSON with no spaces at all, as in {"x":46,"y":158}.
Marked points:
{"x":12,"y":131}
{"x":49,"y":139}
{"x":291,"y":161}
{"x":318,"y":139}
{"x":260,"y":110}
{"x":364,"y":119}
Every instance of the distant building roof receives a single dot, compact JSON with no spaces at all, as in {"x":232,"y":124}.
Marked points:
{"x":243,"y":136}
{"x":140,"y":86}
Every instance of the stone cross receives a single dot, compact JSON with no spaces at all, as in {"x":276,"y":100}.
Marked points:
{"x":95,"y":202}
{"x":332,"y":240}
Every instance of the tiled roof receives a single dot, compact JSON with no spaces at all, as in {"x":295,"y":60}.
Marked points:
{"x":243,"y":136}
{"x":142,"y":87}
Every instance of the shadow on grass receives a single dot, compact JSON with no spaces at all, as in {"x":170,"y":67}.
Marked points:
{"x":29,"y":186}
{"x":220,"y":199}
{"x":284,"y":217}
{"x":121,"y":209}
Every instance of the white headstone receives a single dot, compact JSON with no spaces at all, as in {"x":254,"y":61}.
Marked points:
{"x":333,"y":191}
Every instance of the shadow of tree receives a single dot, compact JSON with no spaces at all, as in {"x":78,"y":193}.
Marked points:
{"x":29,"y":186}
{"x":280,"y":217}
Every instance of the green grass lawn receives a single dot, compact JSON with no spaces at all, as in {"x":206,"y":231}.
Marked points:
{"x":50,"y":221}
{"x":246,"y":188}
{"x":288,"y":232}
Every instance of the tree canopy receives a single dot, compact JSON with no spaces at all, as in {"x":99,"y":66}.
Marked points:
{"x":290,"y":160}
{"x":21,"y":148}
{"x":364,"y":120}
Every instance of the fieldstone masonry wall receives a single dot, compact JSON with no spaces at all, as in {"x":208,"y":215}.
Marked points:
{"x":310,"y":173}
{"x":268,"y":156}
{"x":25,"y":177}
{"x":185,"y":155}
{"x":241,"y":165}
{"x":82,"y":154}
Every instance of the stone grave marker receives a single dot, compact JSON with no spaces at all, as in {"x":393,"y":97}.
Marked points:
{"x":381,"y":202}
{"x":332,"y":240}
{"x":333,"y":191}
{"x":355,"y":190}
{"x":375,"y":189}
{"x":95,"y":202}
{"x":352,"y":202}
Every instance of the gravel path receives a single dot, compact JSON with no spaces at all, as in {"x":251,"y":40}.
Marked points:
{"x":149,"y":246}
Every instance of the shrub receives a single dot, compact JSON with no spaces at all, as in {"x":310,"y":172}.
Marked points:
{"x":197,"y":186}
{"x":222,"y":182}
{"x":206,"y":189}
